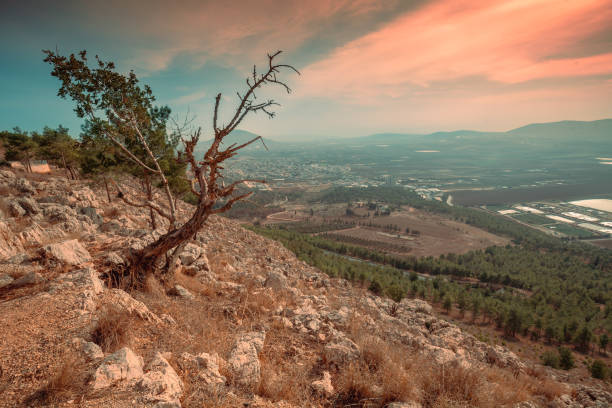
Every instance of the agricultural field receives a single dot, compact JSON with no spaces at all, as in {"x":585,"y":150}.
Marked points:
{"x":407,"y":231}
{"x":583,"y":219}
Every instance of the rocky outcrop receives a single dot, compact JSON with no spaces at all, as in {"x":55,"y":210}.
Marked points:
{"x":160,"y":383}
{"x":205,"y":367}
{"x":70,"y":252}
{"x":244,"y":359}
{"x":121,"y":299}
{"x":123,"y":365}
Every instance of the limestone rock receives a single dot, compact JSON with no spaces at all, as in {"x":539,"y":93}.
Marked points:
{"x":324,"y":386}
{"x":161,"y":384}
{"x":122,"y":299}
{"x":24,"y":186}
{"x":32,"y":278}
{"x":30,"y":206}
{"x":207,"y":367}
{"x":276,"y":281}
{"x":411,"y":404}
{"x":5,"y":280}
{"x":244,"y":359}
{"x":123,"y":365}
{"x":92,"y":214}
{"x":341,"y":350}
{"x":68,"y":252}
{"x":91,"y":350}
{"x":15,"y":210}
{"x":181,"y":292}
{"x":190,"y":254}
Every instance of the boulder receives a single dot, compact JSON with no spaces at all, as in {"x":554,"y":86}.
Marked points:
{"x":244,"y":359}
{"x":32,"y":278}
{"x":122,"y":299}
{"x":324,"y":386}
{"x":206,"y":366}
{"x":15,"y":210}
{"x":92,"y":214}
{"x":341,"y":350}
{"x":123,"y":365}
{"x":91,"y":350}
{"x":5,"y":280}
{"x":190,"y":254}
{"x":24,"y":186}
{"x":29,"y":205}
{"x":181,"y":292}
{"x":161,"y":384}
{"x":18,"y":259}
{"x":276,"y":281}
{"x":68,"y":252}
{"x":411,"y":404}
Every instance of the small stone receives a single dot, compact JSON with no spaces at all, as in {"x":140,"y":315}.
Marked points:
{"x":181,"y":292}
{"x":324,"y":385}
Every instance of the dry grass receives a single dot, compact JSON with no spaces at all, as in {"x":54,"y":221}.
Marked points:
{"x":112,"y":330}
{"x":288,"y":367}
{"x":68,"y":381}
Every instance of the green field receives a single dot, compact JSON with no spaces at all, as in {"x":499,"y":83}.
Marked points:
{"x":532,"y":219}
{"x":572,"y":231}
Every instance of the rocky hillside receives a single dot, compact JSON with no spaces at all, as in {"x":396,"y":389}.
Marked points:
{"x":247,"y":325}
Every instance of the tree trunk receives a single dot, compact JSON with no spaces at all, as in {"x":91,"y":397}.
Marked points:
{"x":107,"y":192}
{"x":142,"y":263}
{"x":149,"y":191}
{"x":66,"y":167}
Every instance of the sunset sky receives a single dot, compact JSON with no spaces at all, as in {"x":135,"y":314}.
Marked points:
{"x":368,"y":66}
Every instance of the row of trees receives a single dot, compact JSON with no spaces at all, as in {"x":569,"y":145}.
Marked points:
{"x":52,"y":145}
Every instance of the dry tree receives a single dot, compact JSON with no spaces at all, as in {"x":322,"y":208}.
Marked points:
{"x":124,"y":114}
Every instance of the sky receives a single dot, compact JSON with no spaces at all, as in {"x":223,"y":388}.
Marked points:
{"x":367,"y":66}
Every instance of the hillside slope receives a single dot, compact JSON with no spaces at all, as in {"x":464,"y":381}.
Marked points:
{"x":247,"y":325}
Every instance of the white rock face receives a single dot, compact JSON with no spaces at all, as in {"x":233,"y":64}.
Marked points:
{"x":123,"y":365}
{"x":244,"y":359}
{"x":161,"y":384}
{"x":324,"y":386}
{"x":207,"y":367}
{"x":67,"y":252}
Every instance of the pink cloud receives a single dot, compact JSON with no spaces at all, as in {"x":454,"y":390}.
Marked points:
{"x":503,"y":41}
{"x":230,"y":32}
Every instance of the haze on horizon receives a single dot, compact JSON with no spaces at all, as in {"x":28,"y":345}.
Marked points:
{"x":368,"y":66}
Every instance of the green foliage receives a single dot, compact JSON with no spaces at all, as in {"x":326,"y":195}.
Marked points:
{"x":566,"y":358}
{"x":551,"y":359}
{"x":599,"y":370}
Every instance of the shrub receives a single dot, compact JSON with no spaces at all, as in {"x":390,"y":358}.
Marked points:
{"x":61,"y":386}
{"x":599,"y":369}
{"x":566,"y":358}
{"x":551,"y":359}
{"x":112,"y":330}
